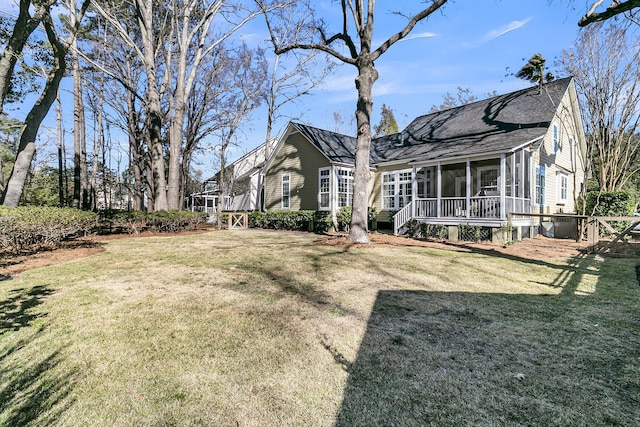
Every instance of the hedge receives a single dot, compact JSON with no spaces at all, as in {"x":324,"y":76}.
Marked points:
{"x":610,"y":203}
{"x":305,"y":220}
{"x":134,"y":222}
{"x":37,"y":226}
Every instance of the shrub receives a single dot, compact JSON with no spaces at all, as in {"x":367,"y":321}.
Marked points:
{"x":290,"y":220}
{"x":37,"y":226}
{"x":611,"y":203}
{"x":134,"y":222}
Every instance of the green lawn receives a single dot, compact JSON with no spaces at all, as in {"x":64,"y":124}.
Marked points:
{"x":267,"y":329}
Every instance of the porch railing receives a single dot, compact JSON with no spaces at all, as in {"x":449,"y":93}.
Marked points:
{"x":480,"y":207}
{"x":402,"y":217}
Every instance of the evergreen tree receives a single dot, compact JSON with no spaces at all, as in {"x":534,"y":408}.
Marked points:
{"x":533,"y":71}
{"x":387,"y":125}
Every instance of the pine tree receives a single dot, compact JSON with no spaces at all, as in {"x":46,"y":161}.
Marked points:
{"x":387,"y":125}
{"x":533,"y":71}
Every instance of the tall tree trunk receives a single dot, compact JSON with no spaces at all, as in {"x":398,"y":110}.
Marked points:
{"x":135,"y":155}
{"x":367,"y":75}
{"x":221,"y":179}
{"x":154,"y":111}
{"x":79,"y":139}
{"x":27,"y":147}
{"x":61,"y":193}
{"x":97,"y":145}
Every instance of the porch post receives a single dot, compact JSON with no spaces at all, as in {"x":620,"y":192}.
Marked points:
{"x":439,"y":191}
{"x":503,"y":172}
{"x":333,"y":194}
{"x":468,"y":189}
{"x":414,"y":191}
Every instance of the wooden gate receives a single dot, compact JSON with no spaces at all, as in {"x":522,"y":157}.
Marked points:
{"x":238,"y":220}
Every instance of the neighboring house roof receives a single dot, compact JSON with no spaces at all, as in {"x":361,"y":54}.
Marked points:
{"x":248,"y":164}
{"x":498,"y":124}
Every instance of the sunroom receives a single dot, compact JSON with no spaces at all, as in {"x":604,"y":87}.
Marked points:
{"x":476,"y":191}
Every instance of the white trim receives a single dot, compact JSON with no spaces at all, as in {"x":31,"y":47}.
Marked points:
{"x":320,"y":192}
{"x":559,"y":199}
{"x":397,"y":183}
{"x":282,"y":182}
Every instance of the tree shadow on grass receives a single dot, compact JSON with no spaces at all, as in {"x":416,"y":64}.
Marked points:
{"x":455,"y":358}
{"x":35,"y":382}
{"x":16,"y":312}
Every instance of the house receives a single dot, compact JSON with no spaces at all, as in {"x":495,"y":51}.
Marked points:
{"x":242,"y":184}
{"x":471,"y":165}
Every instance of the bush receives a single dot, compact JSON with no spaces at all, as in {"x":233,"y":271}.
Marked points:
{"x":343,"y":217}
{"x":290,"y":220}
{"x":38,"y":226}
{"x":134,"y":222}
{"x":418,"y":230}
{"x":610,"y":203}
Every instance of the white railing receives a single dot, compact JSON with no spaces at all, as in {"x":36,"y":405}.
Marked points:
{"x":453,"y":207}
{"x":426,"y":208}
{"x":401,"y":217}
{"x":481,"y":207}
{"x":485,"y":207}
{"x":517,"y":204}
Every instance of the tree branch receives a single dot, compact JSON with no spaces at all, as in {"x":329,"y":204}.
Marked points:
{"x":616,"y":7}
{"x":435,"y":5}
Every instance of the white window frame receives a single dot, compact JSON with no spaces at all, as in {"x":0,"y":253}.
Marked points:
{"x":556,"y":138}
{"x":285,"y":179}
{"x":397,"y":196}
{"x":540,"y":185}
{"x":346,"y":175}
{"x":562,"y":180}
{"x":479,"y":178}
{"x":327,"y":176}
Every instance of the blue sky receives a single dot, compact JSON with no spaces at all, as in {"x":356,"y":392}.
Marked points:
{"x":473,"y":44}
{"x":470,"y":43}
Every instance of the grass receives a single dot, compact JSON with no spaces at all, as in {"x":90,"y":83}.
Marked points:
{"x":267,"y":329}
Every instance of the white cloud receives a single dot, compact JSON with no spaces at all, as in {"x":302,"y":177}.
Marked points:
{"x":498,"y":32}
{"x":419,"y":36}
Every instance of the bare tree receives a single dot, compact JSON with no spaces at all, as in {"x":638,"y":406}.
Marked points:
{"x":187,"y":39}
{"x":605,"y":62}
{"x":342,"y":46}
{"x":244,"y":79}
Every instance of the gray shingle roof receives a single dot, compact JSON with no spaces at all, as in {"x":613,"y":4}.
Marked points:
{"x":337,"y":147}
{"x":497,"y":124}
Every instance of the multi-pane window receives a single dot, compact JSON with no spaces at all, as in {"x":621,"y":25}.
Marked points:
{"x":563,"y":184}
{"x":404,"y":189}
{"x":488,"y":179}
{"x":324,"y":176}
{"x":396,"y":189}
{"x":389,"y":191}
{"x":285,"y":200}
{"x":556,"y":139}
{"x":345,"y":187}
{"x":540,"y":184}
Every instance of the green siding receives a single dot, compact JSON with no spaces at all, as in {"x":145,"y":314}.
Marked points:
{"x":299,"y":158}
